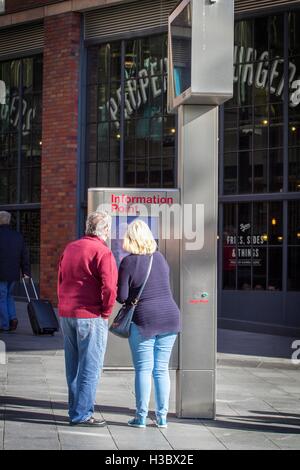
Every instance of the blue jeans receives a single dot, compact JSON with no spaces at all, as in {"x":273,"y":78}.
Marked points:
{"x":85,"y":342}
{"x":151,"y":357}
{"x":7,"y":304}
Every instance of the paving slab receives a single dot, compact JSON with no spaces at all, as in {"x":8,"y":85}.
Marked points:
{"x":237,"y":434}
{"x":258,"y":401}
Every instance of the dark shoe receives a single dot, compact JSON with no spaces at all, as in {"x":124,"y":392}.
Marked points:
{"x":100,"y":423}
{"x":13,"y":324}
{"x":137,"y":422}
{"x":161,"y":422}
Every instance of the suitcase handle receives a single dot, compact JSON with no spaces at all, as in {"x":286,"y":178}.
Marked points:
{"x":26,"y":290}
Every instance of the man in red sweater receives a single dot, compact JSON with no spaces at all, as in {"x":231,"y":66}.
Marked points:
{"x":87,"y":283}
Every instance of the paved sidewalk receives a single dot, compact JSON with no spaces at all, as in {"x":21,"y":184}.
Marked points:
{"x":257,"y":407}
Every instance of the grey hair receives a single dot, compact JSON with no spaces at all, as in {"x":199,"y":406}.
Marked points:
{"x":5,"y":218}
{"x":98,"y":224}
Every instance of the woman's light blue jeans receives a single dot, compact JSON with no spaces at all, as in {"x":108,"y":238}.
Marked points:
{"x":7,"y":304}
{"x":85,"y":342}
{"x":151,"y":357}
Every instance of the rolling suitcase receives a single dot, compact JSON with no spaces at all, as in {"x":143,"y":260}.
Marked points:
{"x":41,"y":314}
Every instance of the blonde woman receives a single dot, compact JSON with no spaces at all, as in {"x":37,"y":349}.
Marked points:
{"x":156,"y":321}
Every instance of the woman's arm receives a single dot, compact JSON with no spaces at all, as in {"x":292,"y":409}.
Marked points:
{"x":123,"y":281}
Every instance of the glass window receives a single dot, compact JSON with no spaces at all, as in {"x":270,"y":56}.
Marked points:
{"x":21,"y":146}
{"x":294,"y":33}
{"x":245,"y":172}
{"x":261,"y":39}
{"x":260,"y":166}
{"x":294,"y":245}
{"x":294,"y":169}
{"x":294,"y":127}
{"x":144,"y":138}
{"x":252,"y":246}
{"x":294,"y":223}
{"x":276,"y":35}
{"x":20,"y":130}
{"x":229,"y":247}
{"x":254,"y":118}
{"x":276,"y":170}
{"x":293,"y":268}
{"x":243,"y":36}
{"x":230,"y":173}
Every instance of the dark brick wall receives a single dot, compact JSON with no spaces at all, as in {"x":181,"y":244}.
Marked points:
{"x":59,"y":150}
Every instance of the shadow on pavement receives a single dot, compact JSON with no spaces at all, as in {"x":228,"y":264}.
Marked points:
{"x":265,"y":422}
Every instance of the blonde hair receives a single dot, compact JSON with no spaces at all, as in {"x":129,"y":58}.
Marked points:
{"x":138,"y":239}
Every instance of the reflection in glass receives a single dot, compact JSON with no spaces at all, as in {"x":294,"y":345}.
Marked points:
{"x":294,"y":222}
{"x":230,"y":140}
{"x":141,"y":172}
{"x":294,"y":169}
{"x":168,"y":172}
{"x":245,"y":128}
{"x":230,"y":173}
{"x":129,"y":169}
{"x":20,"y":130}
{"x":275,"y":223}
{"x":103,"y":174}
{"x":294,"y":33}
{"x":261,"y":39}
{"x":155,"y":173}
{"x":276,"y":135}
{"x":259,"y":268}
{"x":261,"y":129}
{"x":243,"y":37}
{"x":260,"y":223}
{"x":146,"y":130}
{"x":181,"y":37}
{"x":260,"y":169}
{"x":276,"y":42}
{"x":260,"y":88}
{"x":294,"y":127}
{"x":293,"y":268}
{"x":229,"y":247}
{"x":245,"y":172}
{"x":276,"y":170}
{"x":275,"y":269}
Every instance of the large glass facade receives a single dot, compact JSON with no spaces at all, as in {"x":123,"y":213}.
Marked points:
{"x":20,"y":147}
{"x":260,"y":154}
{"x":130,"y":139}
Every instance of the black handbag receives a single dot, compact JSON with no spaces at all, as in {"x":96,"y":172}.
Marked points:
{"x":122,"y":321}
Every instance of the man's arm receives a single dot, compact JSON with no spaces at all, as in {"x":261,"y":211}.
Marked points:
{"x":109,"y":276}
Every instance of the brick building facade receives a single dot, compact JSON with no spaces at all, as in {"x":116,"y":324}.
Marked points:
{"x":61,"y":61}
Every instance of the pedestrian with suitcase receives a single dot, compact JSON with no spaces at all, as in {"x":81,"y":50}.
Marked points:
{"x":14,"y":261}
{"x":87,"y":289}
{"x":41,"y":313}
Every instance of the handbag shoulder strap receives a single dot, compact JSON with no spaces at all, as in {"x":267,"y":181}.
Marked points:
{"x":145,"y":281}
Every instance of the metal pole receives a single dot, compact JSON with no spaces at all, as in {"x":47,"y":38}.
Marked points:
{"x":198,"y":182}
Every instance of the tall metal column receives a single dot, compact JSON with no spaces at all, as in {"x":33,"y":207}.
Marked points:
{"x":198,"y":182}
